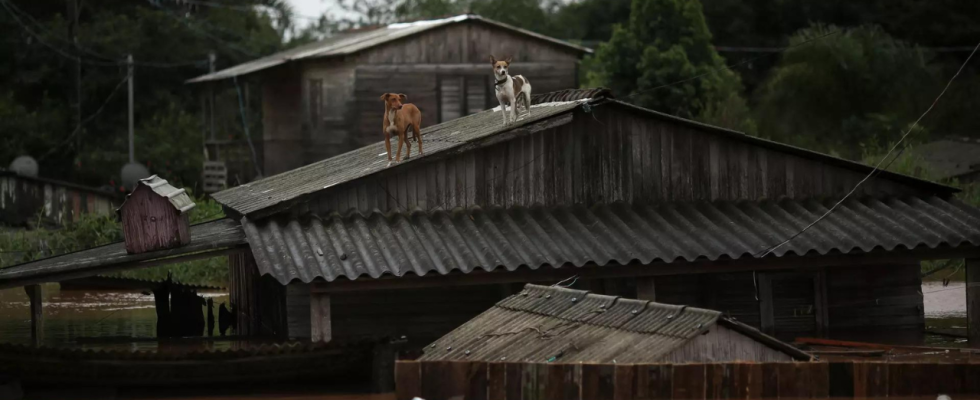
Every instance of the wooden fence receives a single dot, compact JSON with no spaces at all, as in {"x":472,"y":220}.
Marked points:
{"x":525,"y":381}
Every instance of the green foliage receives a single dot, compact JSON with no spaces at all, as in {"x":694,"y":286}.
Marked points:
{"x":37,"y":83}
{"x":663,"y":59}
{"x":93,"y":230}
{"x":834,"y":93}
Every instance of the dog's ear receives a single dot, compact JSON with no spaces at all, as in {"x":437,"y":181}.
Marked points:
{"x":402,"y":97}
{"x":384,"y":97}
{"x":493,"y":60}
{"x":508,"y":60}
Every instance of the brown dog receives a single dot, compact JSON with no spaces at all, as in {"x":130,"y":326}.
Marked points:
{"x":398,"y":118}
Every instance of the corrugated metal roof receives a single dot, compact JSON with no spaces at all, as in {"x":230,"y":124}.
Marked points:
{"x":177,"y":197}
{"x":373,"y":158}
{"x":572,"y":95}
{"x":548,"y":324}
{"x":353,"y":42}
{"x":208,"y":236}
{"x":466,"y":240}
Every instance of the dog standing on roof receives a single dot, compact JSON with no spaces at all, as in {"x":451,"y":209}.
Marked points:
{"x":511,"y":91}
{"x":399,"y":118}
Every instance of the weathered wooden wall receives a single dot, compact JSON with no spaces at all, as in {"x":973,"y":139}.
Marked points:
{"x":468,"y":42}
{"x":282,"y":120}
{"x":843,"y":380}
{"x":422,"y":315}
{"x":150,"y":222}
{"x":612,"y":154}
{"x":875,"y":298}
{"x":422,"y":83}
{"x":259,"y":301}
{"x":23,"y":199}
{"x":734,"y":294}
{"x":339,"y":98}
{"x":298,"y":310}
{"x":725,"y":345}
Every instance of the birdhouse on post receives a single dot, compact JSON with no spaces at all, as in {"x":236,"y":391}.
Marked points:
{"x":154,"y":216}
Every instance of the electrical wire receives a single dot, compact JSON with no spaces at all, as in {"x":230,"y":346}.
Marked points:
{"x":204,"y":32}
{"x":81,"y":124}
{"x":740,"y":63}
{"x":105,"y":61}
{"x":877,"y":168}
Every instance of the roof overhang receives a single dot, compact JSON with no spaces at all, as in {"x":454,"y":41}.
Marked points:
{"x":356,"y":246}
{"x":209,"y":239}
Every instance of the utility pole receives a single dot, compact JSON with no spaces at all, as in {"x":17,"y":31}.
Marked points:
{"x":73,"y":36}
{"x":129,"y":67}
{"x":211,"y":59}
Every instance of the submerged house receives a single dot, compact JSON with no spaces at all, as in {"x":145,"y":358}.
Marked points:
{"x":603,"y":195}
{"x":322,"y":99}
{"x":544,"y":324}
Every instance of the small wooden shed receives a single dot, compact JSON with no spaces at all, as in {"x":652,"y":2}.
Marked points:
{"x":154,"y":216}
{"x":554,"y":324}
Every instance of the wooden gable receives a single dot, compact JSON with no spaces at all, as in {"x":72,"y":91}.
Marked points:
{"x":613,"y":153}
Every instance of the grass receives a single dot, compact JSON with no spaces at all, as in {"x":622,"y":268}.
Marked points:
{"x":93,"y":230}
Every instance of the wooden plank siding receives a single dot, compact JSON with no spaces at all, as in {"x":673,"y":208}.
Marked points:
{"x":874,"y":298}
{"x":323,"y":108}
{"x":24,"y":199}
{"x":586,"y":161}
{"x":421,"y":315}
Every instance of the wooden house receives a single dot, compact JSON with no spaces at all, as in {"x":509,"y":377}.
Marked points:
{"x":589,"y":191}
{"x":544,"y":324}
{"x":154,"y":216}
{"x":23,"y":199}
{"x":321,"y":100}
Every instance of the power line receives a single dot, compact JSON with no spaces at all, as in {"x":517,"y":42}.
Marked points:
{"x":877,"y":166}
{"x":244,"y":8}
{"x":87,"y":120}
{"x":740,"y":63}
{"x":105,"y":61}
{"x":156,"y":3}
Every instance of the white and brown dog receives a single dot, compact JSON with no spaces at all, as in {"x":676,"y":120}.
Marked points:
{"x":511,"y":91}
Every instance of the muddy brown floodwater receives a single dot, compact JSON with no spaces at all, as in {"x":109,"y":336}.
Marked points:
{"x":70,"y":315}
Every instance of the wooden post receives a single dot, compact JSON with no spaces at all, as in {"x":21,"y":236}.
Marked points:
{"x":973,"y":301}
{"x":646,"y":289}
{"x":320,"y":325}
{"x":37,"y":314}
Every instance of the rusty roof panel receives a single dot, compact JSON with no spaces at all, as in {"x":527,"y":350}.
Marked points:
{"x":353,"y":245}
{"x":519,"y":329}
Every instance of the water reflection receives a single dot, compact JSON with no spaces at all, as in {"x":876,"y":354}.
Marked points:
{"x":117,"y":317}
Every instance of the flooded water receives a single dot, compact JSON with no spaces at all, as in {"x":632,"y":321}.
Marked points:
{"x":110,"y":315}
{"x":945,"y":309}
{"x":71,"y":315}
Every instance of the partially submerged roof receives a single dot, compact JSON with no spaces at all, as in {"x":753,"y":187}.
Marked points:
{"x":439,"y":139}
{"x":205,"y":238}
{"x":264,"y":196}
{"x":554,"y":324}
{"x":352,"y":42}
{"x":332,"y":246}
{"x":950,"y":157}
{"x":178,"y":198}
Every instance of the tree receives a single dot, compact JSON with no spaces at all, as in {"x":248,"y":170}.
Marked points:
{"x":170,"y":43}
{"x":863,"y":86}
{"x":663,"y":59}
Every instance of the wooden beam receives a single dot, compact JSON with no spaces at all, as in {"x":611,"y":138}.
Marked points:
{"x":58,"y":276}
{"x":973,"y":301}
{"x":37,"y":314}
{"x":766,"y":316}
{"x":321,"y":327}
{"x":635,"y":270}
{"x":646,"y":289}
